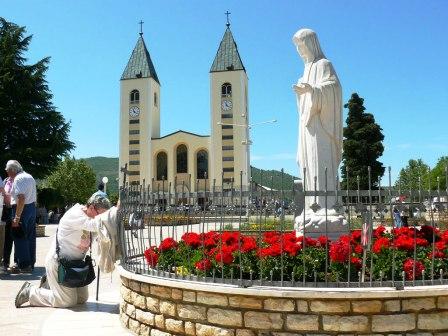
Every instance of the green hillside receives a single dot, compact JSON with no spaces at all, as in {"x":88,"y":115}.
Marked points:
{"x":103,"y":166}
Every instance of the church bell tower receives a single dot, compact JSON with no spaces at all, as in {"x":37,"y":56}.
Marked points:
{"x":229,"y":148}
{"x":139,"y":114}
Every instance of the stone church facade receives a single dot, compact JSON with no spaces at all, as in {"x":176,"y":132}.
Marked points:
{"x":183,"y":160}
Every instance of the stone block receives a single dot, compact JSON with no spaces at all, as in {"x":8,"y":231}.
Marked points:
{"x":189,"y":296}
{"x":191,"y":312}
{"x":168,"y":308}
{"x":279,"y":305}
{"x":434,"y":321}
{"x":134,"y":326}
{"x":390,"y":323}
{"x":124,"y":281}
{"x":370,"y":306}
{"x":124,"y":319}
{"x":190,"y":329}
{"x":176,"y":294}
{"x":330,"y":306}
{"x":418,"y":304}
{"x":392,"y":305}
{"x":144,"y":330}
{"x":299,"y":322}
{"x":230,"y":318}
{"x":424,"y":334}
{"x":245,"y":332}
{"x":159,"y":321}
{"x":442,"y":302}
{"x":163,"y":292}
{"x":206,"y":330}
{"x":211,"y":299}
{"x":138,"y":300}
{"x":153,"y":304}
{"x":245,"y":302}
{"x":134,"y":285}
{"x":155,"y":332}
{"x":144,"y":288}
{"x":144,"y":317}
{"x":263,"y":321}
{"x":123,"y":306}
{"x":302,"y":306}
{"x":125,"y":293}
{"x":130,"y":310}
{"x":279,"y":333}
{"x":174,"y":326}
{"x":345,"y":323}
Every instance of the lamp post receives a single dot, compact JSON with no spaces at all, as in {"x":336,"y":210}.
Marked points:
{"x":105,"y":180}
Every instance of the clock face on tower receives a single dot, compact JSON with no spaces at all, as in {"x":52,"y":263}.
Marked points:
{"x":226,"y":105}
{"x":134,"y":111}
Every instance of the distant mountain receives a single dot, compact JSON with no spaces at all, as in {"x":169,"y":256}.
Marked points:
{"x":104,"y":166}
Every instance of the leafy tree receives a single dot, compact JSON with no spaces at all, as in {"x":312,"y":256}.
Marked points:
{"x":410,"y":175}
{"x":32,"y":131}
{"x":74,"y":180}
{"x":439,"y":171}
{"x":362,"y":146}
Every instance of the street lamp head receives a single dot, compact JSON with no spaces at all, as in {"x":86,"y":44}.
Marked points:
{"x":105,"y":179}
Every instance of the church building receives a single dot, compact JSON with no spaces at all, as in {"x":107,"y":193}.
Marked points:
{"x":184,"y":161}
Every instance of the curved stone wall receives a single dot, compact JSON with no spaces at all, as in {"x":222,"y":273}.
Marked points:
{"x":163,"y":307}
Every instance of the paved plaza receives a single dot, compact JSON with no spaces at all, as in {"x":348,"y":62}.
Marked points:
{"x":93,"y":318}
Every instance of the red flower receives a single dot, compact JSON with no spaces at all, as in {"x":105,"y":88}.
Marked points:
{"x":437,"y":255}
{"x":191,"y":239}
{"x":339,"y":250}
{"x":230,"y":238}
{"x":292,"y":248}
{"x":379,"y":244}
{"x":357,"y":249}
{"x":167,"y":244}
{"x":289,"y":237}
{"x":379,"y":231}
{"x":270,"y":251}
{"x":429,"y":233}
{"x":408,"y":268}
{"x":440,"y":245}
{"x":151,"y":256}
{"x":404,"y":242}
{"x":203,"y":265}
{"x":356,"y":236}
{"x":357,"y":262}
{"x":224,"y":257}
{"x":444,"y":236}
{"x":421,"y":242}
{"x":322,"y":241}
{"x":271,"y":237}
{"x":248,"y":244}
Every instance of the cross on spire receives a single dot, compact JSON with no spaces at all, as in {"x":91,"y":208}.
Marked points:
{"x":227,"y":13}
{"x":141,"y":27}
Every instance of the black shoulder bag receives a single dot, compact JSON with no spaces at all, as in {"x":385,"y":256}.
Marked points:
{"x":75,"y":273}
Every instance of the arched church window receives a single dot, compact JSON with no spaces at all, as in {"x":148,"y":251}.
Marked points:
{"x":134,"y":97}
{"x":162,"y":166}
{"x":226,"y":90}
{"x":201,"y":164}
{"x":155,"y":99}
{"x":182,"y":159}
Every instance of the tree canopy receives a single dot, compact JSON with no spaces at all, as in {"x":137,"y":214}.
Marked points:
{"x":413,"y":176}
{"x":362,"y":146}
{"x":33,"y":131}
{"x":74,"y":180}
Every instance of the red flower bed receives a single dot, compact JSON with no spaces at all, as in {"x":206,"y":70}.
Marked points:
{"x":286,"y":254}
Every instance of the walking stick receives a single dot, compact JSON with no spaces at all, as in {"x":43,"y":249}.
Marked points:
{"x":98,"y":283}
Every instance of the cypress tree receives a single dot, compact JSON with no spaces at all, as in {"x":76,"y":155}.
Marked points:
{"x":362,"y":146}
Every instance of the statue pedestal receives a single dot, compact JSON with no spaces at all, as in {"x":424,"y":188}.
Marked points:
{"x":333,"y":224}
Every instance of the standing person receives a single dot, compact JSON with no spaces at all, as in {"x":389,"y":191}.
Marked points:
{"x":73,"y":236}
{"x":7,"y":218}
{"x":23,"y":226}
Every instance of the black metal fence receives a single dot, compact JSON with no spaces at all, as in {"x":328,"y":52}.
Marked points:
{"x":245,"y":236}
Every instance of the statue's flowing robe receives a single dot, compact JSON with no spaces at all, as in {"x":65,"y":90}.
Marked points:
{"x":320,"y":129}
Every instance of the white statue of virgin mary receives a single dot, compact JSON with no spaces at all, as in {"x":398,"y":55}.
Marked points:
{"x":319,"y":101}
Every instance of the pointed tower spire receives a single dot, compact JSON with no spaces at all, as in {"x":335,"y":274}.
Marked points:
{"x":140,"y":64}
{"x":227,"y":57}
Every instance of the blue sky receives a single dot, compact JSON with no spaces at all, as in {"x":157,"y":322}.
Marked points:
{"x":393,"y":53}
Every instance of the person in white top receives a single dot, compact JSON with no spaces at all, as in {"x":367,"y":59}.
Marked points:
{"x":74,"y":240}
{"x":23,"y":201}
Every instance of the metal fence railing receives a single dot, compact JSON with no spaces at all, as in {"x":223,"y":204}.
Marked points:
{"x":246,"y":236}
